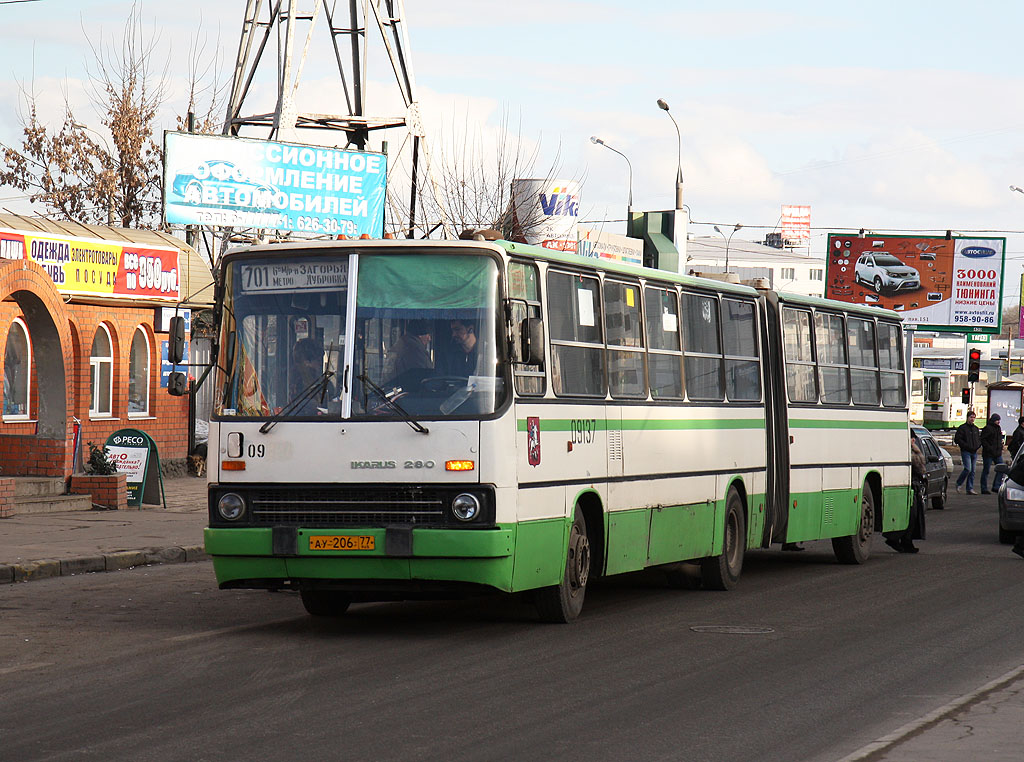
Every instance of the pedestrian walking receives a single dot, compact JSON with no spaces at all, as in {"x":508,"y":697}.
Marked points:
{"x":968,"y":439}
{"x":991,"y":453}
{"x":1016,"y":438}
{"x":903,"y":540}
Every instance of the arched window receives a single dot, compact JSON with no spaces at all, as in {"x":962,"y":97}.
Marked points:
{"x":138,"y":374}
{"x":101,"y":366}
{"x":17,"y":371}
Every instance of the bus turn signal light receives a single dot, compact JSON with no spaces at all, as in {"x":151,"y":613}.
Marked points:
{"x":459,"y":465}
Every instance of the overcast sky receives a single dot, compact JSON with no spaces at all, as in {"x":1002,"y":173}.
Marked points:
{"x":892,"y":116}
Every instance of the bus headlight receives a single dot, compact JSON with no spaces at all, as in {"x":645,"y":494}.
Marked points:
{"x":466,"y":507}
{"x":231,"y":506}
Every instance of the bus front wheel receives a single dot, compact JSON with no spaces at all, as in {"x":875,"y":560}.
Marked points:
{"x":723,"y":572}
{"x":325,"y":602}
{"x":562,"y":603}
{"x":855,"y":548}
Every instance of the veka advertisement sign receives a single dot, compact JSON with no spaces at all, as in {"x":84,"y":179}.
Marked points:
{"x":95,"y":267}
{"x":238,"y":182}
{"x":942,"y":284}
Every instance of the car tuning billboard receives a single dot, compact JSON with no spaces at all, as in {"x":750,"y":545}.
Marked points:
{"x":952,"y":284}
{"x":239,"y":182}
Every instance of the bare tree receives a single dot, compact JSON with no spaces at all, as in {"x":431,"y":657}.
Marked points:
{"x":75,"y":172}
{"x":469,"y":184}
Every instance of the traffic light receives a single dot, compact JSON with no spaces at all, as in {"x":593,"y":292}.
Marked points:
{"x":973,"y":364}
{"x":965,"y":395}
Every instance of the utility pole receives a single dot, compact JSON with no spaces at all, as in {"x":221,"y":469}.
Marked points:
{"x":348,"y":30}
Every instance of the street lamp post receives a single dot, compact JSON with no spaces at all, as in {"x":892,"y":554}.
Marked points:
{"x":679,"y":228}
{"x":597,"y":141}
{"x":728,"y":240}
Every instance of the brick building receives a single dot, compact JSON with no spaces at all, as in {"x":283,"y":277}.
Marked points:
{"x":83,"y":314}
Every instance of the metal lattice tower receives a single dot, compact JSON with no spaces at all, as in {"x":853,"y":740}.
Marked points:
{"x":349,"y":33}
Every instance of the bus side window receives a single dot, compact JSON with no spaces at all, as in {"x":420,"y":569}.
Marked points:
{"x":863,"y":365}
{"x":577,"y":347}
{"x":739,"y":339}
{"x":800,"y":369}
{"x":833,"y":372}
{"x":664,"y":355}
{"x":524,"y":291}
{"x":624,"y":338}
{"x":702,"y":347}
{"x":890,"y":365}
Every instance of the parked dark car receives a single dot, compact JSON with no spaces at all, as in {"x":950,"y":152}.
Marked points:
{"x":935,"y":467}
{"x":1011,"y":499}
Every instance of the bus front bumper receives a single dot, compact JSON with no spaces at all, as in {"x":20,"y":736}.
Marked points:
{"x":287,"y":556}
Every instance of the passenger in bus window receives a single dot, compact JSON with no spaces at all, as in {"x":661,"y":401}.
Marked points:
{"x":308,"y":359}
{"x":410,"y":352}
{"x":463,"y":359}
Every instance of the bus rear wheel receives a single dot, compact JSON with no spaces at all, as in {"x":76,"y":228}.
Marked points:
{"x":855,"y":548}
{"x":562,"y":603}
{"x":723,"y":572}
{"x":325,"y":602}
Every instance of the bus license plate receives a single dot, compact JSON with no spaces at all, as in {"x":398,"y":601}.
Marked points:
{"x":341,"y":542}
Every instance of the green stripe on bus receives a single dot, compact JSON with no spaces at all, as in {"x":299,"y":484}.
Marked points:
{"x":602,"y":424}
{"x":813,"y":423}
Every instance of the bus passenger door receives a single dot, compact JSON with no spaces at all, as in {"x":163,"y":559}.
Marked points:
{"x":776,"y":420}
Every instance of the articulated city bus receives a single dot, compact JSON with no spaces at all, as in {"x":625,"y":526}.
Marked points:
{"x":939,"y":398}
{"x":404,"y":419}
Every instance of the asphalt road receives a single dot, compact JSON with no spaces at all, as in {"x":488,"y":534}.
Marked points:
{"x":157,"y":664}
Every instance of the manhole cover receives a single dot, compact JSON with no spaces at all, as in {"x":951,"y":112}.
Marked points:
{"x":729,"y":629}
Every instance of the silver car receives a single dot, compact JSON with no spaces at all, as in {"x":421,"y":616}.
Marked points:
{"x":884,"y":272}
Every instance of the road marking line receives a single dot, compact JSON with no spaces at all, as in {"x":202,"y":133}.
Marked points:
{"x":25,"y":667}
{"x":224,"y":631}
{"x":932,"y":718}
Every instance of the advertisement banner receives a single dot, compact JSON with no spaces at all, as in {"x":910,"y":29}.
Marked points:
{"x":610,"y":247}
{"x":545,"y":212}
{"x":95,"y":267}
{"x":952,"y":285}
{"x":795,"y":223}
{"x":240,"y":182}
{"x":1020,"y":309}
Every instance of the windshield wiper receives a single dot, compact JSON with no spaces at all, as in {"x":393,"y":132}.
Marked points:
{"x":319,"y":385}
{"x":394,"y":405}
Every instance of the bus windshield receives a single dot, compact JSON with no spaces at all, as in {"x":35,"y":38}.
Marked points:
{"x":422,"y":329}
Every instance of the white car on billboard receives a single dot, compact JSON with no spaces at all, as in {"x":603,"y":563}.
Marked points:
{"x":884,"y":272}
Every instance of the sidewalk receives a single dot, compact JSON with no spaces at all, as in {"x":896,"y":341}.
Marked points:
{"x":37,"y":546}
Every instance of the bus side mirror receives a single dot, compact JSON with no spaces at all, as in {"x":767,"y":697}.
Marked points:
{"x":533,"y":341}
{"x":176,"y":340}
{"x":177,"y":384}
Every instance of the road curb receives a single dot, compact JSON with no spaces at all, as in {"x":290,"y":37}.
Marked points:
{"x":876,"y":749}
{"x":47,"y":568}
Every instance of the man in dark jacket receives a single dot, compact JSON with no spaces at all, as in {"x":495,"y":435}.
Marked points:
{"x":991,"y":452}
{"x":1016,"y":438}
{"x":968,"y":439}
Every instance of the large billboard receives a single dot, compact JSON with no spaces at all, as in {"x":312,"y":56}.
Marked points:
{"x":795,"y":224}
{"x":97,"y":267}
{"x":239,"y":182}
{"x":940,"y":284}
{"x":545,"y":212}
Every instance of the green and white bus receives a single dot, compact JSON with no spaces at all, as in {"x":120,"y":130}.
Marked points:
{"x":405,"y":419}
